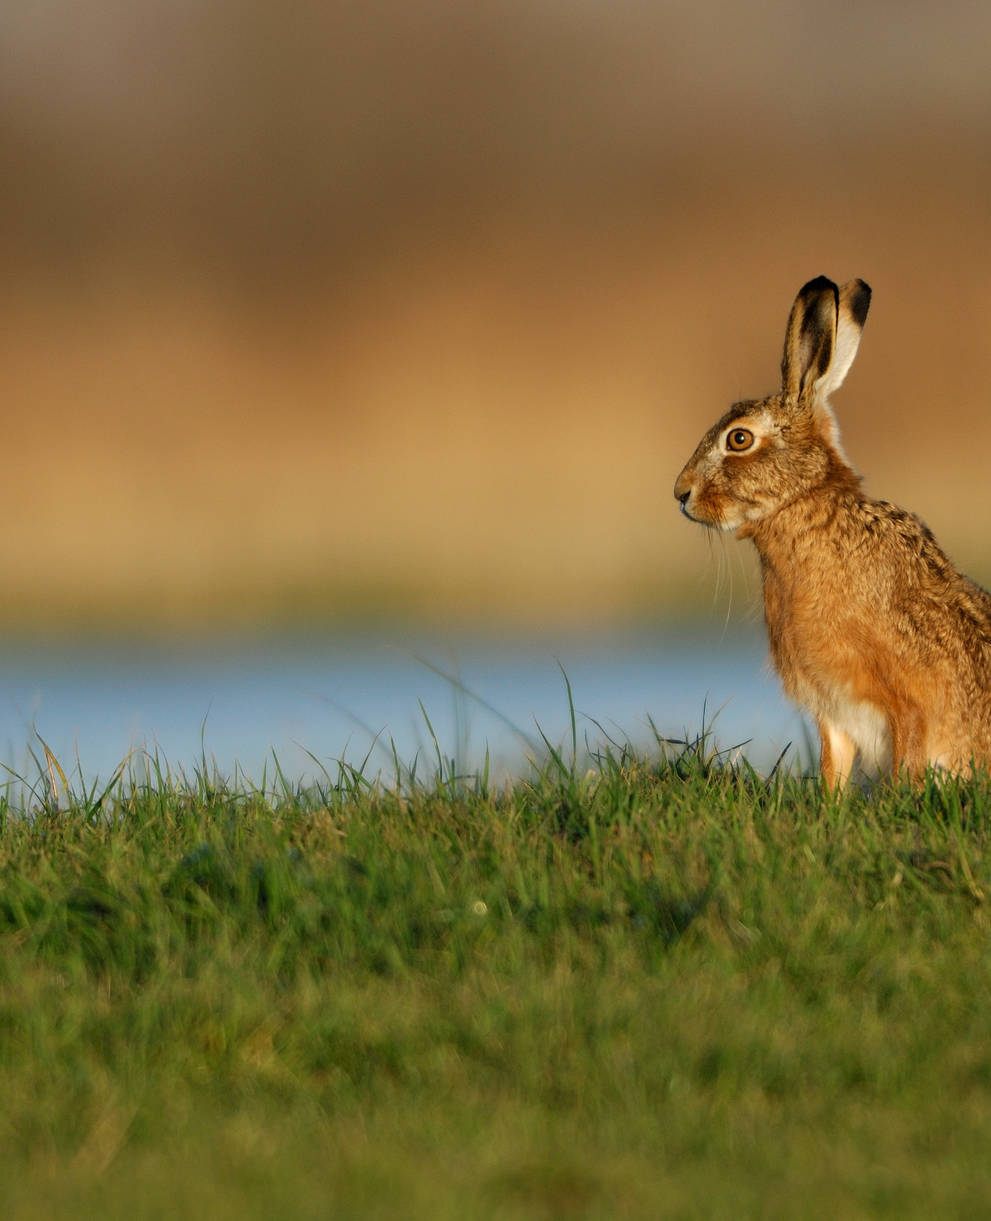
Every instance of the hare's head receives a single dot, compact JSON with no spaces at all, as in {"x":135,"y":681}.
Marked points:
{"x":767,"y":452}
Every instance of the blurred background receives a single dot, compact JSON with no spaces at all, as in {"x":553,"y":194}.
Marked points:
{"x":335,"y":316}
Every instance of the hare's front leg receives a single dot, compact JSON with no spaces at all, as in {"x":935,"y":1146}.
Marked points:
{"x":837,"y":753}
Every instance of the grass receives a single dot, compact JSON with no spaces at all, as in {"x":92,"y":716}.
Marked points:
{"x":653,"y":987}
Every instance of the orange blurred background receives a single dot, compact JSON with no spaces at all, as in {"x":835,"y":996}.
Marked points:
{"x":327,"y":313}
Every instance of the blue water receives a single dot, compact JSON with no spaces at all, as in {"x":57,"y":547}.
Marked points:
{"x":311,"y":702}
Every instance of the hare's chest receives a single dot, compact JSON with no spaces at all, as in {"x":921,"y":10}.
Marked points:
{"x":805,"y":633}
{"x":823,"y":671}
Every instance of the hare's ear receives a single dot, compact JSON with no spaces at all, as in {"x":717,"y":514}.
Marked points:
{"x":811,"y":336}
{"x":855,"y":301}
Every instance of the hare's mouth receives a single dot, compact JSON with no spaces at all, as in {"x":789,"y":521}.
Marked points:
{"x":693,"y":507}
{"x":710,"y":523}
{"x":686,"y":512}
{"x":713,"y":517}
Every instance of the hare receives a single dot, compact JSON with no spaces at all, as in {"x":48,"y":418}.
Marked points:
{"x":871,"y":627}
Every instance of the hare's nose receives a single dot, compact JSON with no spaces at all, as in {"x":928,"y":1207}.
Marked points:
{"x":682,"y":489}
{"x":683,"y":498}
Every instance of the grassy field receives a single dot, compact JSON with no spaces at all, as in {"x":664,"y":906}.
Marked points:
{"x":620,"y":988}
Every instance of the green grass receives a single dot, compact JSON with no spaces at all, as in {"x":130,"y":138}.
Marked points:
{"x":659,"y":988}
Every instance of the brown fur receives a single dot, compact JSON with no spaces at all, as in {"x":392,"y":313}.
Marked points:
{"x":871,"y":627}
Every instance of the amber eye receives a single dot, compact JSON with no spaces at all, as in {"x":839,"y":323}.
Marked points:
{"x":739,"y":439}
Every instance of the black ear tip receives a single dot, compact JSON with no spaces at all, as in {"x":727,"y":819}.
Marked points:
{"x":860,"y":301}
{"x":820,"y":284}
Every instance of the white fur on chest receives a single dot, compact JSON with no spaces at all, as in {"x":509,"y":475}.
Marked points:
{"x":834,"y":708}
{"x":866,"y":725}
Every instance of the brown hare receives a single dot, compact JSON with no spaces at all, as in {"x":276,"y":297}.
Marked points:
{"x":871,"y":628}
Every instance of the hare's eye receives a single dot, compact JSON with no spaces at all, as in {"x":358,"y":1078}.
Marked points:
{"x":739,"y":439}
